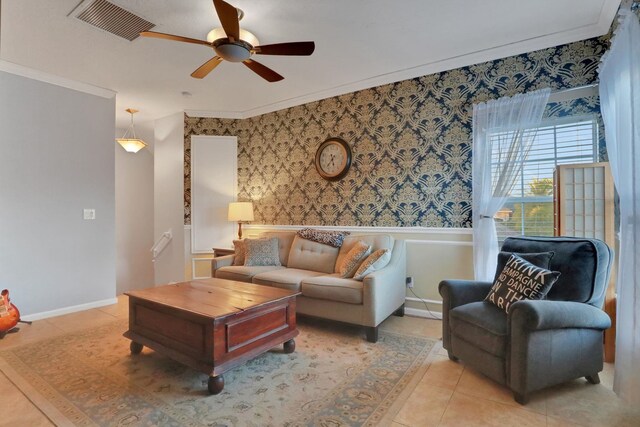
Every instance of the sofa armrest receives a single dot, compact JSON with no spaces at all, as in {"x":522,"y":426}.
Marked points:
{"x":221,"y":261}
{"x":456,"y":293}
{"x":540,"y":315}
{"x":384,"y":291}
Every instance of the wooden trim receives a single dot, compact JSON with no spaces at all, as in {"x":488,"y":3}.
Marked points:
{"x":609,"y":236}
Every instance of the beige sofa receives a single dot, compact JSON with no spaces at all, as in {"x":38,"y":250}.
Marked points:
{"x":310,"y":268}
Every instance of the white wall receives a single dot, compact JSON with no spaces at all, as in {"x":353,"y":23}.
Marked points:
{"x":214,"y":184}
{"x":56,"y":158}
{"x":134,"y":213}
{"x":169,"y":196}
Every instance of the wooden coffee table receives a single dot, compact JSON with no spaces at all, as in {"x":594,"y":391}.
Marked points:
{"x":212,"y":325}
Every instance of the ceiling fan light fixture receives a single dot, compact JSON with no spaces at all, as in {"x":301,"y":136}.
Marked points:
{"x":247,"y":36}
{"x":129,"y":142}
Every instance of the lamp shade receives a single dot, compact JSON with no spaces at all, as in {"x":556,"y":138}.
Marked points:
{"x":240,"y":211}
{"x":129,"y":141}
{"x":131,"y":145}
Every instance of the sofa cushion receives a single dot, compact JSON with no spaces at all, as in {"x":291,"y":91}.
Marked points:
{"x":243,"y":273}
{"x":376,"y":241}
{"x":334,"y":288}
{"x":354,"y":258}
{"x":374,"y":262}
{"x":285,"y":239}
{"x":240,"y":252}
{"x":481,"y":324}
{"x":261,"y":252}
{"x":286,"y":278}
{"x":308,"y":255}
{"x":328,"y":237}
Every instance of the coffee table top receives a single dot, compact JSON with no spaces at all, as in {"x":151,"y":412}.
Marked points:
{"x":213,"y":298}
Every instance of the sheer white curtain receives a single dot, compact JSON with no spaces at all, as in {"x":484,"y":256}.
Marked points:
{"x":503,"y":131}
{"x":620,"y":105}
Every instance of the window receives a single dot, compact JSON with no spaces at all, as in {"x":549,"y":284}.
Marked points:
{"x":529,"y":208}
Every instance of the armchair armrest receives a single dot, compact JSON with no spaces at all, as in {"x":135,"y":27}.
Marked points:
{"x":456,"y":293}
{"x":540,"y":315}
{"x":459,"y":292}
{"x":552,"y":342}
{"x":221,"y":261}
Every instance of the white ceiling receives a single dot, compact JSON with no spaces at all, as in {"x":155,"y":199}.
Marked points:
{"x":359,"y":43}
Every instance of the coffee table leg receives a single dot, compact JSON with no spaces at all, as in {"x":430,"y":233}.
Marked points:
{"x":289,"y":346}
{"x":215,"y":384}
{"x":135,"y":347}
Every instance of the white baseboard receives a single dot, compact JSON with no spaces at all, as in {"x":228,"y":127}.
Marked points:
{"x":419,"y":312}
{"x":71,"y":309}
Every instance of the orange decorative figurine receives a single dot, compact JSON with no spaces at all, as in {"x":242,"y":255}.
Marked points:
{"x":9,"y":314}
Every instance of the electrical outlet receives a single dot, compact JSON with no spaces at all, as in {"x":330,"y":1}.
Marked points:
{"x":409,"y":282}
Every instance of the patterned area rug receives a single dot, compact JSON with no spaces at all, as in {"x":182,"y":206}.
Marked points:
{"x":334,"y":378}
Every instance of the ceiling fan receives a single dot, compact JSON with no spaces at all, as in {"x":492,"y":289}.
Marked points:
{"x":234,"y":48}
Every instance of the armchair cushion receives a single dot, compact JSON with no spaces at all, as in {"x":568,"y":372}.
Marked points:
{"x":539,"y":259}
{"x":580,"y":261}
{"x":518,"y":280}
{"x":482,"y":324}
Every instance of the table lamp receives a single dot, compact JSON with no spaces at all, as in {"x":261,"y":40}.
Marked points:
{"x":240,"y":212}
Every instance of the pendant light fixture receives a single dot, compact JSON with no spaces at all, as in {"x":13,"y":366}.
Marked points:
{"x":129,"y":141}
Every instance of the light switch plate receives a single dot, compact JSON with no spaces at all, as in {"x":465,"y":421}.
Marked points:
{"x":89,"y":214}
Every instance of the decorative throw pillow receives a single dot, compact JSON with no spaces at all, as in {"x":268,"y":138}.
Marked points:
{"x":240,"y":249}
{"x":353,"y":259}
{"x":262,"y":252}
{"x":539,"y":259}
{"x":518,"y":280}
{"x":331,"y":238}
{"x":374,"y":262}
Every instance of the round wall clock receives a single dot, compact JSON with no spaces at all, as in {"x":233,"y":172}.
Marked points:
{"x":333,"y":159}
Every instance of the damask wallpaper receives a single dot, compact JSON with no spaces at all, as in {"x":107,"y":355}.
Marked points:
{"x":411,"y":143}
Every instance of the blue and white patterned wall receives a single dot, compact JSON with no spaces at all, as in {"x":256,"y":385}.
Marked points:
{"x":411,"y":143}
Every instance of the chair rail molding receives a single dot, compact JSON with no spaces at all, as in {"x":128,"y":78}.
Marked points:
{"x":360,"y":229}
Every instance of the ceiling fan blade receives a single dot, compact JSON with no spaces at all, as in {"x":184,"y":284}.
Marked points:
{"x":228,"y":18}
{"x":174,"y":38}
{"x":265,"y":72}
{"x":294,"y":48}
{"x":206,"y":68}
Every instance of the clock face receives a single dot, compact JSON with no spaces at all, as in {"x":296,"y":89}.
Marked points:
{"x":333,"y":159}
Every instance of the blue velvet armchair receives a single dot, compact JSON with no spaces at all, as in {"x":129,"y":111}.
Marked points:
{"x":540,"y":343}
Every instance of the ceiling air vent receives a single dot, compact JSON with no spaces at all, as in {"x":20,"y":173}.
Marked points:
{"x":111,"y":18}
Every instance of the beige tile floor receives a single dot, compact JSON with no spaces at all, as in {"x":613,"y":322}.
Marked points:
{"x":448,"y":394}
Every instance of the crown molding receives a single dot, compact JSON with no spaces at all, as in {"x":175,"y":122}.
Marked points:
{"x":216,"y":114}
{"x":30,"y":73}
{"x":596,"y":29}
